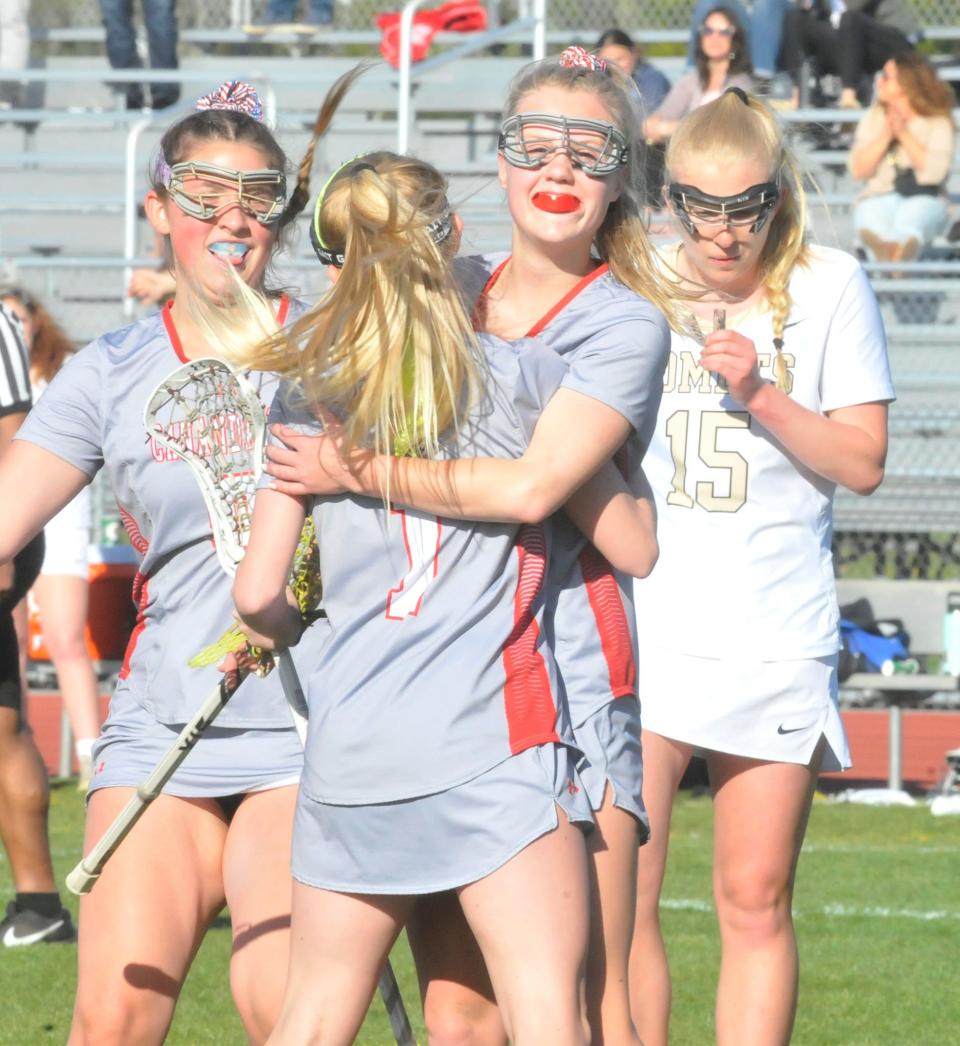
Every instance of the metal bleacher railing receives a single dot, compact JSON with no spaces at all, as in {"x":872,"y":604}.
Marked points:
{"x":69,"y":215}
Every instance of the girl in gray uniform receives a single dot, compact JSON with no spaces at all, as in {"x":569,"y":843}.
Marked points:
{"x":571,"y":176}
{"x":437,"y":755}
{"x":220,"y":832}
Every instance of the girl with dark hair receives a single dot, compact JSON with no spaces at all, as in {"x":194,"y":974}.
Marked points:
{"x":903,"y":150}
{"x":220,"y":831}
{"x":721,"y":60}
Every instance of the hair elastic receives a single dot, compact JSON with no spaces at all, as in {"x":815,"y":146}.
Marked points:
{"x":740,"y":93}
{"x":576,"y":57}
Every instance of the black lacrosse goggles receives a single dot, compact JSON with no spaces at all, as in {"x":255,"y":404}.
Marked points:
{"x":203,"y":190}
{"x":752,"y":207}
{"x":531,"y":140}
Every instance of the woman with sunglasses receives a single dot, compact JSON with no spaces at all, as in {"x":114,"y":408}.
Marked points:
{"x":721,"y":60}
{"x":784,"y":398}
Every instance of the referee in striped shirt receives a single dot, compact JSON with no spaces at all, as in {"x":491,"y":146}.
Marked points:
{"x":36,"y":915}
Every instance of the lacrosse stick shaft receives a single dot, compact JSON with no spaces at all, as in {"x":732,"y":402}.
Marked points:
{"x":83,"y":877}
{"x":396,"y":1011}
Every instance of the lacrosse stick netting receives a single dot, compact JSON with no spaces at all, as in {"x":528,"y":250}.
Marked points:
{"x":212,"y":418}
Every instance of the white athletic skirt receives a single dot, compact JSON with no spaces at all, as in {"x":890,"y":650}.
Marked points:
{"x":610,"y":742}
{"x":66,"y":538}
{"x":775,"y":710}
{"x":440,"y":841}
{"x":224,"y":762}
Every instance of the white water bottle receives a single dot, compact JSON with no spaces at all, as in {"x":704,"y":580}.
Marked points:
{"x":951,"y":635}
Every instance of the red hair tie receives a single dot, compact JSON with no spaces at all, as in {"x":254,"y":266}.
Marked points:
{"x":576,"y":57}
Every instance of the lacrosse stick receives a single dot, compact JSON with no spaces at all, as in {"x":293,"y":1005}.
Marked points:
{"x":226,"y":458}
{"x":86,"y":872}
{"x":212,"y":419}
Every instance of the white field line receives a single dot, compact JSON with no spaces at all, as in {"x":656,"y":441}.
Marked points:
{"x":689,"y":904}
{"x":877,"y":848}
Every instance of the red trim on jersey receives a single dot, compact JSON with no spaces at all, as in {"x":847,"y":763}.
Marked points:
{"x":282,"y":309}
{"x":545,"y":319}
{"x":406,"y":544}
{"x":611,"y":620}
{"x":141,"y":598}
{"x":528,"y":700}
{"x":132,"y":527}
{"x":139,"y":594}
{"x":172,"y":331}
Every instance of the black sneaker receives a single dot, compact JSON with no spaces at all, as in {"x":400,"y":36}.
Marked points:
{"x":29,"y":927}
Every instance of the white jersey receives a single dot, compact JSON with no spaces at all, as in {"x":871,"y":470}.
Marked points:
{"x":745,"y":566}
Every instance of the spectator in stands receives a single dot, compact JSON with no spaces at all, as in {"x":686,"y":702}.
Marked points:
{"x":36,"y":915}
{"x":722,"y":60}
{"x":283,"y":14}
{"x":850,"y":38}
{"x":616,"y":46}
{"x":160,"y":20}
{"x":62,"y":590}
{"x":14,"y":49}
{"x":766,"y":28}
{"x":903,"y":150}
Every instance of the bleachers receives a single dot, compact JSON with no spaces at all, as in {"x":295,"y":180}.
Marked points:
{"x":64,"y":217}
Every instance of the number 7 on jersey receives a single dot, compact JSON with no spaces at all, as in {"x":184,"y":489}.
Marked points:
{"x":421,"y":537}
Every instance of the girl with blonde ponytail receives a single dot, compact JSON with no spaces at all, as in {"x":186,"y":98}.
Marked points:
{"x":784,"y":398}
{"x":582,"y":279}
{"x":440,"y":758}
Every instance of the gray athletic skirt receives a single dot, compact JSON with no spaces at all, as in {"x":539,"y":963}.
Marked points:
{"x":224,"y":761}
{"x":610,"y":742}
{"x":440,"y":841}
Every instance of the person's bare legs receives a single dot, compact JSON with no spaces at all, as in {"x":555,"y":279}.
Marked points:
{"x":338,"y":945}
{"x":613,"y":873}
{"x":664,"y":763}
{"x":760,"y":816}
{"x":63,"y":601}
{"x":24,"y":805}
{"x":145,"y":918}
{"x":530,"y":918}
{"x":459,"y":1007}
{"x":258,"y":888}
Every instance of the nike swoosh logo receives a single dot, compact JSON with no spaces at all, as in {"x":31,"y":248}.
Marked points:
{"x":11,"y":940}
{"x":781,"y":729}
{"x":793,"y":324}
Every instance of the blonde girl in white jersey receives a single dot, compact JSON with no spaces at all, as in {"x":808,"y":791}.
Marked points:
{"x":737,"y":623}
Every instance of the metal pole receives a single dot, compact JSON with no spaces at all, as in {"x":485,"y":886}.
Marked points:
{"x":130,"y":208}
{"x":540,"y":30}
{"x":66,"y":742}
{"x":895,"y":773}
{"x":404,"y":106}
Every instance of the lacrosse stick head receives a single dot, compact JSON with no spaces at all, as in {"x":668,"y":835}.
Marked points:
{"x":212,"y":418}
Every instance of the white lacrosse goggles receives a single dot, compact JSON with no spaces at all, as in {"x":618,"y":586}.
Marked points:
{"x":752,"y":207}
{"x":530,"y":140}
{"x":203,"y":190}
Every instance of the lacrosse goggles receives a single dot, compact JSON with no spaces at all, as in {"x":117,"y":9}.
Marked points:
{"x":203,"y":190}
{"x":531,"y":140}
{"x":752,"y":207}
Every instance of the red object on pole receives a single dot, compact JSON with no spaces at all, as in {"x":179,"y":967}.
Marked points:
{"x":458,"y":16}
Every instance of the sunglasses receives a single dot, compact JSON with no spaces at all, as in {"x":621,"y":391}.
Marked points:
{"x":709,"y":30}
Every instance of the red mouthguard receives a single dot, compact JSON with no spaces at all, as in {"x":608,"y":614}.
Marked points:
{"x":556,"y":203}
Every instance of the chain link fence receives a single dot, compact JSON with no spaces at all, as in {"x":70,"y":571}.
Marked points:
{"x":359,"y":14}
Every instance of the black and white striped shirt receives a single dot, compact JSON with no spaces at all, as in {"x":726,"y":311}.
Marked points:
{"x":14,"y":366}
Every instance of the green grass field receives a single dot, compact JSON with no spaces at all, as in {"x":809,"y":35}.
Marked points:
{"x":878,"y":908}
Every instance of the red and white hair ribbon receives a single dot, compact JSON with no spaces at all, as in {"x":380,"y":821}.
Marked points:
{"x":235,"y":95}
{"x":576,"y":57}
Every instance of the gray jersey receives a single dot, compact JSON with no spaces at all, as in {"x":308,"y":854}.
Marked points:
{"x":92,"y":417}
{"x":437,"y":669}
{"x":617,"y":345}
